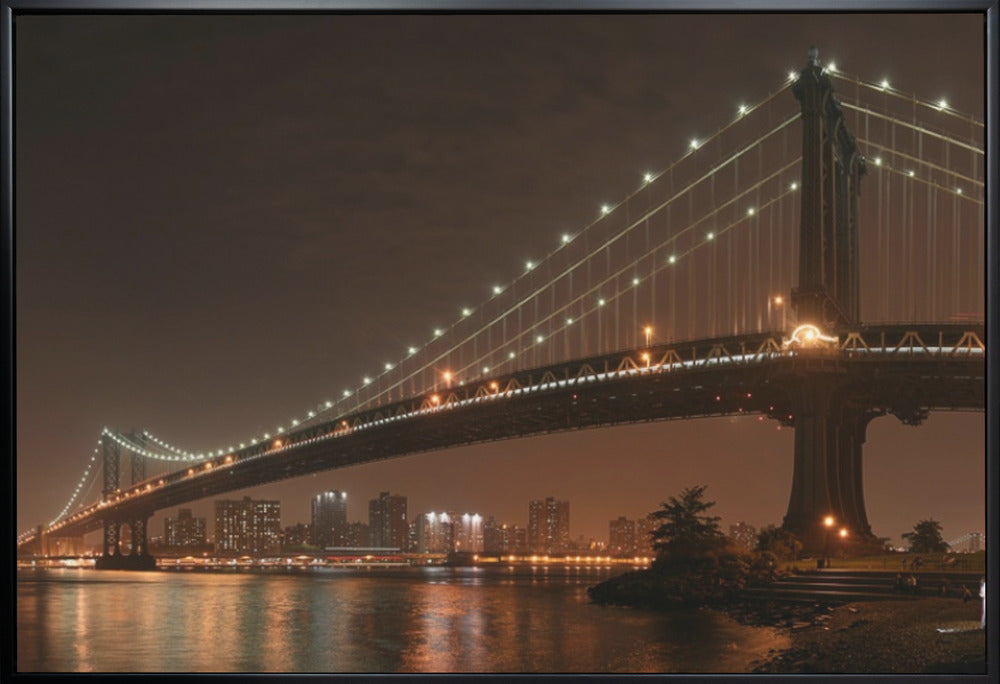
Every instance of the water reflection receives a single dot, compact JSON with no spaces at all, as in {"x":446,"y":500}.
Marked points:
{"x":413,"y":620}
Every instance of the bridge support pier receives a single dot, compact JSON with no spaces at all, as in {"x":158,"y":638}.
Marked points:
{"x":138,"y":557}
{"x":827,"y":478}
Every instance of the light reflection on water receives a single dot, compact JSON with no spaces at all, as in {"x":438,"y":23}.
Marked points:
{"x":407,"y":620}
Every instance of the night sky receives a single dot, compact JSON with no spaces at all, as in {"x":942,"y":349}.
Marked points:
{"x":222,"y":221}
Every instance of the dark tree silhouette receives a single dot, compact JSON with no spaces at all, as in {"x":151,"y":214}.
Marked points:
{"x":926,"y":537}
{"x":684,"y":529}
{"x":780,"y":542}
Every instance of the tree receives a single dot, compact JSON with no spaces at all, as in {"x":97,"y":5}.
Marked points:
{"x":780,"y":542}
{"x":926,"y":537}
{"x":684,"y":529}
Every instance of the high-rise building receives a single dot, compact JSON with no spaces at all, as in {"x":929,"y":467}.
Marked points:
{"x":295,"y":536}
{"x":644,"y":528}
{"x":357,"y":535}
{"x":329,"y":518}
{"x":548,"y":525}
{"x":621,"y":537}
{"x":435,"y":533}
{"x":247,"y":526}
{"x":469,"y":532}
{"x":387,"y":525}
{"x":492,"y":536}
{"x":184,"y":530}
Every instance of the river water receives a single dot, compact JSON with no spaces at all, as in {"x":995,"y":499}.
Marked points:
{"x":433,"y":619}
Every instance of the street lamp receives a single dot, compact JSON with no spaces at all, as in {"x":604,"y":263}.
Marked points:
{"x":777,"y":301}
{"x":843,"y":539}
{"x":828,"y":523}
{"x":649,"y":333}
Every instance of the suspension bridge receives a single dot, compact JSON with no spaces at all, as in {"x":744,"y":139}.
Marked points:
{"x":818,"y":261}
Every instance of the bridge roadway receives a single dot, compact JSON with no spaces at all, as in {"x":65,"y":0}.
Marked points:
{"x":903,"y":370}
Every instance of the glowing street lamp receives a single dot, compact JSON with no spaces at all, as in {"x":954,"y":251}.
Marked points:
{"x":777,"y":301}
{"x":649,"y":333}
{"x":828,"y":522}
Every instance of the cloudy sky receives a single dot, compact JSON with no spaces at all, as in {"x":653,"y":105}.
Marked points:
{"x":224,"y":219}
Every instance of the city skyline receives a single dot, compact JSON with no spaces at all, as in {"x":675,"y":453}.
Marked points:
{"x":213,"y":293}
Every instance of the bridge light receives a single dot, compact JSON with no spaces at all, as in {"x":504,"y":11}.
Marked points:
{"x":566,"y":238}
{"x":751,"y":211}
{"x":778,"y":300}
{"x":600,"y":302}
{"x":635,"y":281}
{"x":389,"y":366}
{"x":828,"y":521}
{"x":605,"y":209}
{"x":832,"y":68}
{"x":486,"y":369}
{"x":466,"y":312}
{"x":539,"y":339}
{"x":411,"y":350}
{"x":494,"y":386}
{"x":366,"y":380}
{"x":647,"y":178}
{"x":942,"y":104}
{"x":277,"y":443}
{"x":295,"y":422}
{"x":497,"y":289}
{"x":347,"y":393}
{"x":528,"y":265}
{"x":884,"y":84}
{"x":743,"y":109}
{"x":958,"y":191}
{"x":672,"y":259}
{"x":511,"y":355}
{"x":648,"y":330}
{"x":438,"y":332}
{"x":911,"y":173}
{"x":694,"y":144}
{"x":843,"y":533}
{"x":435,"y":399}
{"x":878,"y":161}
{"x":569,"y":321}
{"x":792,"y":76}
{"x":710,"y":236}
{"x":794,"y":186}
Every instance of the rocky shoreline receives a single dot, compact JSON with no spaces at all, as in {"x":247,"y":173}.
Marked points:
{"x":928,"y":635}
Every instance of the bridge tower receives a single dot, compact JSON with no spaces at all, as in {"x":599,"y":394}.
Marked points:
{"x":111,"y":469}
{"x":832,"y":167}
{"x":830,"y":420}
{"x":112,"y":558}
